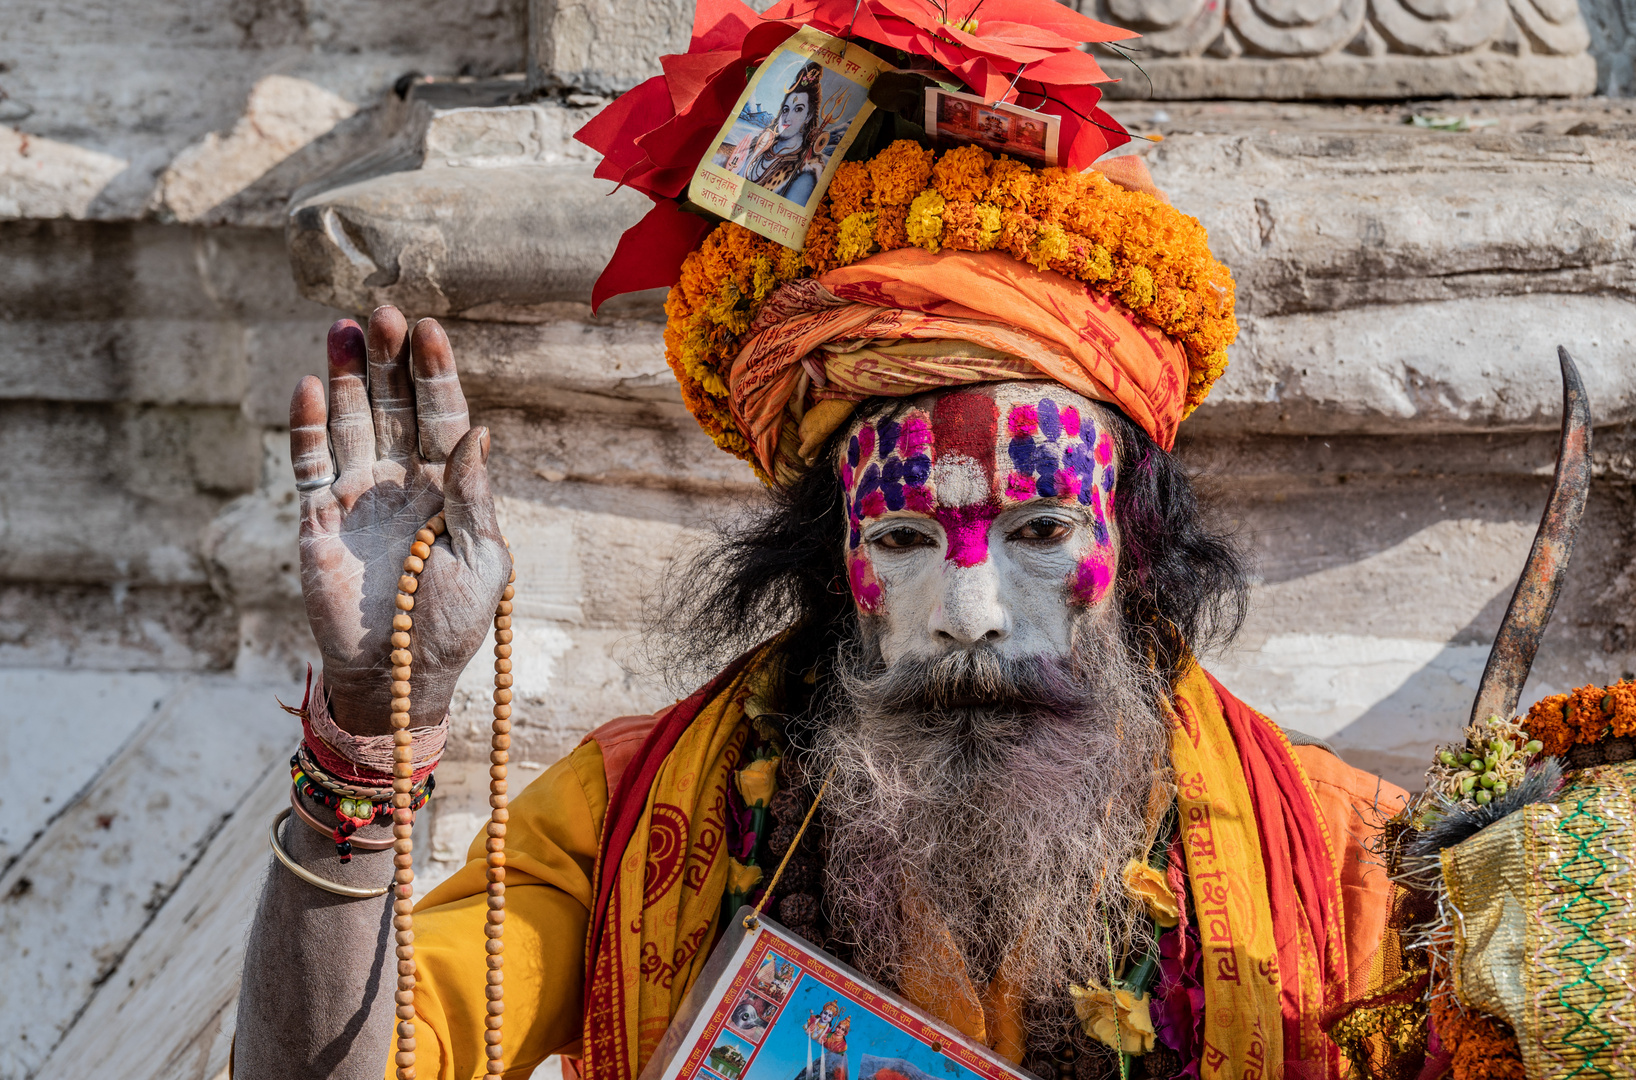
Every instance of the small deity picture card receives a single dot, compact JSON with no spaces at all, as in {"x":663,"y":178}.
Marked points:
{"x":769,"y":1006}
{"x":1028,"y":136}
{"x":790,"y":130}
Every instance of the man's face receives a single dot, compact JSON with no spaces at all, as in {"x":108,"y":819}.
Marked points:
{"x":981,"y":516}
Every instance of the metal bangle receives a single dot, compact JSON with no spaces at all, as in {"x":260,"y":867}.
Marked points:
{"x":307,"y":875}
{"x":305,"y":486}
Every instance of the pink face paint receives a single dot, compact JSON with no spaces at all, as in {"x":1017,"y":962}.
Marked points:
{"x":967,"y":530}
{"x":1019,"y":488}
{"x":1104,"y":449}
{"x":886,"y":468}
{"x":962,"y":467}
{"x":866,"y":591}
{"x":966,"y":427}
{"x":1093,"y":577}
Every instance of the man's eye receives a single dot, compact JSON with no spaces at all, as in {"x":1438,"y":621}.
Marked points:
{"x":903,"y":538}
{"x":1042,"y":529}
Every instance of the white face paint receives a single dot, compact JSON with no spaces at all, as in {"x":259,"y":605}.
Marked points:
{"x":981,"y":515}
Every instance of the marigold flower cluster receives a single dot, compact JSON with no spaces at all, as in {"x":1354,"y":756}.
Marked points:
{"x":1129,"y":245}
{"x":1482,"y":1047}
{"x":1585,"y":716}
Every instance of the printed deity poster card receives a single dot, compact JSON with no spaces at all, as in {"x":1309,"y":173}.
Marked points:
{"x":768,"y":1006}
{"x":792,"y":126}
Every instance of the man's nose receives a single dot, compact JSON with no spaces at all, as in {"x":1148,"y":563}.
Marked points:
{"x":970,"y":609}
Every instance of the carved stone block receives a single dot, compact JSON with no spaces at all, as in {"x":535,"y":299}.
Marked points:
{"x":604,"y":46}
{"x":1350,"y":49}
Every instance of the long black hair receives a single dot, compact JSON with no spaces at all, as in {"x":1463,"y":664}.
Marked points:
{"x":1182,"y":582}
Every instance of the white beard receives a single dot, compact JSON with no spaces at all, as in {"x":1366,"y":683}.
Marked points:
{"x":1011,"y":820}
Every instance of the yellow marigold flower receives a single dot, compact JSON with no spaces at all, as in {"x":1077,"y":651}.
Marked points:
{"x":1050,"y":245}
{"x":852,"y":190}
{"x":900,"y":172}
{"x":742,"y":879}
{"x":758,"y":781}
{"x":856,"y":239}
{"x":925,"y":222}
{"x":1098,"y":264}
{"x":1150,"y":886}
{"x":961,"y":175}
{"x":1115,"y":1018}
{"x":725,"y":309}
{"x":1138,"y":290}
{"x":790,"y":264}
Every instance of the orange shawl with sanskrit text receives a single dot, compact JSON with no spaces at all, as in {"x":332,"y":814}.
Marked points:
{"x":1263,"y":872}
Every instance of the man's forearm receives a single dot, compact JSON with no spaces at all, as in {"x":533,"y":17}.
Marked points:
{"x":320,"y":969}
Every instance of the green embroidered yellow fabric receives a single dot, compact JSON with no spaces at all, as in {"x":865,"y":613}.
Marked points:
{"x":1545,"y":933}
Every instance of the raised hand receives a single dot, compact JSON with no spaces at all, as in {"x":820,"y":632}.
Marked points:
{"x":403,"y":449}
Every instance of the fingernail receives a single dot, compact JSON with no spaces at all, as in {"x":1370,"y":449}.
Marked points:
{"x":345,"y":343}
{"x":483,"y":444}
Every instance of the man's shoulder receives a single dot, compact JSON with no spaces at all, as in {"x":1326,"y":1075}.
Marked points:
{"x":619,"y":740}
{"x":1353,"y":785}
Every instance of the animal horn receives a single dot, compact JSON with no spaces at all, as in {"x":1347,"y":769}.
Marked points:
{"x":1542,"y":576}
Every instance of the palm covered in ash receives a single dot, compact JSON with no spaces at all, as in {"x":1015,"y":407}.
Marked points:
{"x":392,"y":449}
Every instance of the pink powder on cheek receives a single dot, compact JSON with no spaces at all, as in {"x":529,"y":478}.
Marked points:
{"x":967,"y":530}
{"x":1022,"y":421}
{"x":1092,"y":578}
{"x":866,"y":591}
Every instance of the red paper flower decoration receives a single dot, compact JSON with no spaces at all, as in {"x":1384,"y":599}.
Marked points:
{"x":652,"y":138}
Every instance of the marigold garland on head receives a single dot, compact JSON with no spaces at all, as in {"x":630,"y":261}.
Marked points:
{"x":1129,"y":245}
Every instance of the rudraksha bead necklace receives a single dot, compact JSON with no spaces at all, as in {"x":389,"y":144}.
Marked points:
{"x":403,"y":816}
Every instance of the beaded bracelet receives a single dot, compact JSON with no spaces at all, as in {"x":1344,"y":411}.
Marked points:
{"x":355,"y":807}
{"x":403,"y":815}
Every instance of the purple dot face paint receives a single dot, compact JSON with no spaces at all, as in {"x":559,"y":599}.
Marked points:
{"x":968,"y":458}
{"x":887,"y":468}
{"x":1053,"y":452}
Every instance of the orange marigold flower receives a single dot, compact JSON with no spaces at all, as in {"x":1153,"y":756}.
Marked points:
{"x":822,"y":236}
{"x":971,"y":226}
{"x":1131,"y":245}
{"x":889,"y":231}
{"x":1584,"y":716}
{"x":851,"y":191}
{"x":1483,"y":1047}
{"x":1011,"y":183}
{"x":900,"y":172}
{"x":1017,"y":232}
{"x":962,"y":173}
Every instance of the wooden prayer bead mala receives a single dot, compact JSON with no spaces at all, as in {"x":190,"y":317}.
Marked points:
{"x":403,"y":818}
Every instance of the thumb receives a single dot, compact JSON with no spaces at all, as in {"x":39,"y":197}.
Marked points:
{"x":468,"y":504}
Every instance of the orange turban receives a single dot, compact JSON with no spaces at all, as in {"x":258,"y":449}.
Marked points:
{"x":907,"y":321}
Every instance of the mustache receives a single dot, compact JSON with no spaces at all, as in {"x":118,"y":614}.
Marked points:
{"x":966,"y":679}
